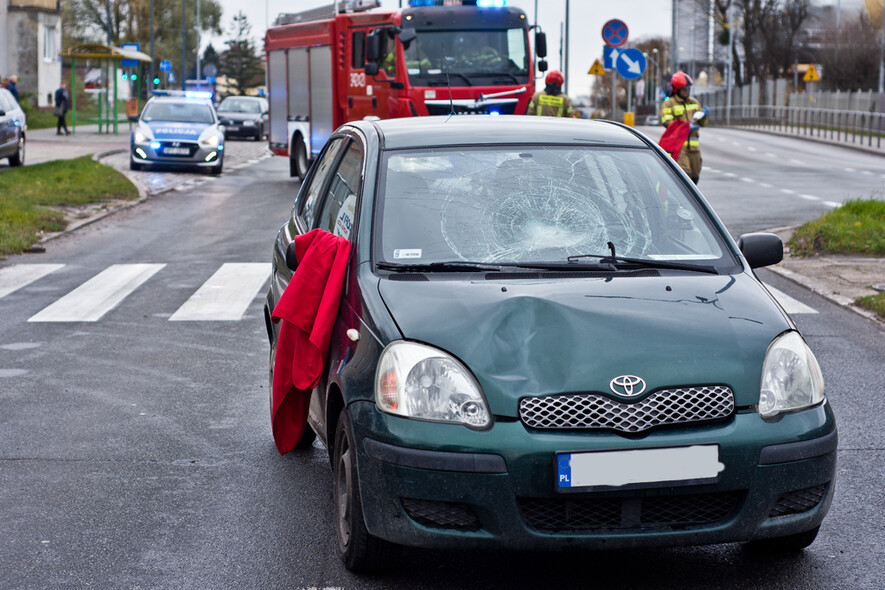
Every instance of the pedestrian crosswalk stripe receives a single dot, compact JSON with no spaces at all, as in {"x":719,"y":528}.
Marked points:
{"x":97,"y":296}
{"x":226,"y":295}
{"x":13,"y":278}
{"x":790,"y":305}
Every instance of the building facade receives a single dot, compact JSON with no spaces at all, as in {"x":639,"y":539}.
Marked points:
{"x":30,"y":39}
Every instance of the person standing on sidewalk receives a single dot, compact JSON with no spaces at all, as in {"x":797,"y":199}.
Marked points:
{"x":13,"y":80}
{"x":680,"y":106}
{"x":62,"y":101}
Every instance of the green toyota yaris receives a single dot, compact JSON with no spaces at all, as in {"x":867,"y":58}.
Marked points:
{"x":547,"y":339}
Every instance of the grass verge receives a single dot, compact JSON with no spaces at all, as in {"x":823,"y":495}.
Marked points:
{"x":857,"y":227}
{"x":874,"y":303}
{"x":32,"y":198}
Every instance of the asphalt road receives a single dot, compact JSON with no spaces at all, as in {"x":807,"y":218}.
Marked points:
{"x":135,"y":451}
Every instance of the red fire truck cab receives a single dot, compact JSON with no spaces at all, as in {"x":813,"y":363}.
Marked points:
{"x":437,"y":58}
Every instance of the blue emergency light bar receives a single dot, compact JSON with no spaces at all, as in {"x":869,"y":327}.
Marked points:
{"x":184,"y":93}
{"x":479,"y":3}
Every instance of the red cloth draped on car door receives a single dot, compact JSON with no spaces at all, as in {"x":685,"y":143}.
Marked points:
{"x":674,"y":137}
{"x":307,"y":308}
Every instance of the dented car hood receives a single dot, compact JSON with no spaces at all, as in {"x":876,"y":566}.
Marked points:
{"x":540,"y":337}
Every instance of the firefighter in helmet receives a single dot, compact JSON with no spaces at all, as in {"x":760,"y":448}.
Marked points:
{"x":681,"y":106}
{"x":551,"y":102}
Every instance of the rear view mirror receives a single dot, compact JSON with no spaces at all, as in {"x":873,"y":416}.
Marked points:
{"x":371,"y":69}
{"x":541,"y":44}
{"x":133,"y":118}
{"x":373,"y":47}
{"x":542,"y":65}
{"x":291,"y":257}
{"x":761,"y":249}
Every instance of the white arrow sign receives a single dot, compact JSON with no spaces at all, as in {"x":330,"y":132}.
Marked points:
{"x":632,"y":66}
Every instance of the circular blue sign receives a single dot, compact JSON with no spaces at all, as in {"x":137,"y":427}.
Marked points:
{"x":614,"y":33}
{"x":630,"y":63}
{"x":165,"y":65}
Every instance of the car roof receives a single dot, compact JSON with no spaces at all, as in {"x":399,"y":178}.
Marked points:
{"x":504,"y":129}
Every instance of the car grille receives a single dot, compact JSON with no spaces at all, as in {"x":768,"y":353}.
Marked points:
{"x":166,"y":146}
{"x":441,"y":515}
{"x":594,"y":411}
{"x":631,"y":513}
{"x":798,"y":501}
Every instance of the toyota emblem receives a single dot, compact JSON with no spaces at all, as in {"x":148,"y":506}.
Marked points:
{"x":627,"y":385}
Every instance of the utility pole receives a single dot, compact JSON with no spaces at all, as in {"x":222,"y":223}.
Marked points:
{"x":199,"y":77}
{"x":151,"y":85}
{"x":882,"y":59}
{"x":183,"y":47}
{"x":565,"y":65}
{"x":729,"y":83}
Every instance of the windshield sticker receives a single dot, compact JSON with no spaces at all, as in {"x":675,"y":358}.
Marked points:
{"x":409,"y":253}
{"x":344,"y":223}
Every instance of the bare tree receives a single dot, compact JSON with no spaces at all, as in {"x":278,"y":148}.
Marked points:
{"x":850,"y":57}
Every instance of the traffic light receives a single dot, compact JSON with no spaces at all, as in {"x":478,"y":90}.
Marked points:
{"x":124,"y":76}
{"x":156,"y":81}
{"x":134,"y":77}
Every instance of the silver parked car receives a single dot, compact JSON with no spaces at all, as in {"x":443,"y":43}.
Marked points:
{"x":13,"y":124}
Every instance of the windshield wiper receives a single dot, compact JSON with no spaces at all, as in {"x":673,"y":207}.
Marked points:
{"x":469,"y":81}
{"x":620,"y":261}
{"x":453,"y":266}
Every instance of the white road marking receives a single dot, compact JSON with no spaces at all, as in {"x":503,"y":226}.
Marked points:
{"x":800,"y":162}
{"x":849,"y":170}
{"x":809,"y":197}
{"x":790,"y":305}
{"x":13,"y":278}
{"x":730,"y":174}
{"x":751,"y":149}
{"x":97,"y":296}
{"x":746,"y":179}
{"x":867,"y":172}
{"x":771,"y":155}
{"x":766,"y":185}
{"x":788,"y":191}
{"x":832,"y":204}
{"x":226,"y":295}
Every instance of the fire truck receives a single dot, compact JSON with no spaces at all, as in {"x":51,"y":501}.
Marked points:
{"x":326,"y":67}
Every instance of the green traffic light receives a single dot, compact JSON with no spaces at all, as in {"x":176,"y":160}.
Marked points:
{"x":156,"y":80}
{"x":124,"y":76}
{"x":134,"y":77}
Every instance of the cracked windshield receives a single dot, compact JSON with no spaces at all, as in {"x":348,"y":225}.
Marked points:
{"x":538,"y":204}
{"x":469,"y":54}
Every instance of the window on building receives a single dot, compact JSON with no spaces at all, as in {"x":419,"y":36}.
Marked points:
{"x":50,"y":51}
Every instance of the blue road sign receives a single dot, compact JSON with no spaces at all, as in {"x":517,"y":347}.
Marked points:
{"x":165,"y":65}
{"x":630,"y":63}
{"x":614,"y":33}
{"x":128,"y":63}
{"x":610,"y":57}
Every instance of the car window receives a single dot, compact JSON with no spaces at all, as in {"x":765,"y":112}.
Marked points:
{"x":539,"y":204}
{"x":318,"y":178}
{"x":180,"y":112}
{"x":338,"y":211}
{"x":7,"y":102}
{"x":240,"y":105}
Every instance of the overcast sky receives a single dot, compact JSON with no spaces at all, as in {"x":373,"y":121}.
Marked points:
{"x":644,"y":19}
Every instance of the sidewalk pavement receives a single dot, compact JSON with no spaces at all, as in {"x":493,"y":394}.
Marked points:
{"x":839,"y":279}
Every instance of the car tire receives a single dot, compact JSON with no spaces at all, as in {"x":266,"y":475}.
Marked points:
{"x":216,"y":170}
{"x":358,"y":549}
{"x":18,"y":158}
{"x":133,"y":165}
{"x":788,"y":544}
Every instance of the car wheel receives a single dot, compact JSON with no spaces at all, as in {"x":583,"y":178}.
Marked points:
{"x":359,"y":550}
{"x":309,"y":435}
{"x":18,"y":158}
{"x":787,"y":544}
{"x":216,"y":170}
{"x":133,"y":165}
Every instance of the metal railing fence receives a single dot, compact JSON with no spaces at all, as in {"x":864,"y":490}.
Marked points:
{"x":849,"y":127}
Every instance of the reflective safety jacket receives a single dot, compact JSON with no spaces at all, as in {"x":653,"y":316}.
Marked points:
{"x":675,"y":107}
{"x":547,"y":105}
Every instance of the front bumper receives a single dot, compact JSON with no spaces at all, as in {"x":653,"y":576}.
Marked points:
{"x":496,"y":488}
{"x":240,"y":129}
{"x":154,"y":153}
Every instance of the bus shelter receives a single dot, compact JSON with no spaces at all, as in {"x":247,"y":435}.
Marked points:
{"x":111,"y":56}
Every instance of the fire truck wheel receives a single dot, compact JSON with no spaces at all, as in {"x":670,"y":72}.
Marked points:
{"x":301,"y":163}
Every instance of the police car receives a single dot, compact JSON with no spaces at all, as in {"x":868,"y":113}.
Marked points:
{"x":178,"y":130}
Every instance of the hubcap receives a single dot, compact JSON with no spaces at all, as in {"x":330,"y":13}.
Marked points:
{"x":343,"y":491}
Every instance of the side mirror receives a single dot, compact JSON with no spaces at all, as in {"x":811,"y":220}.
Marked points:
{"x":406,"y":36}
{"x":761,"y":249}
{"x":291,"y":258}
{"x":371,"y":69}
{"x":133,"y":118}
{"x":373,"y":47}
{"x":541,"y":44}
{"x":542,"y":65}
{"x":2,"y":113}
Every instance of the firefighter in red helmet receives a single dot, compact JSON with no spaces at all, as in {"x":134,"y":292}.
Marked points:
{"x":681,"y":106}
{"x":551,"y":102}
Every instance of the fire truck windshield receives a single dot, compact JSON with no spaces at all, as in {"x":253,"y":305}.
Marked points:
{"x":474,"y":57}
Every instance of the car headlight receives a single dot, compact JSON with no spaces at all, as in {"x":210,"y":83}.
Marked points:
{"x":791,"y":377}
{"x":211,"y":137}
{"x":418,"y":381}
{"x":142,"y":134}
{"x":249,"y":123}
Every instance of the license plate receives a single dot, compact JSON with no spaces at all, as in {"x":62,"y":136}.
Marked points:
{"x":695,"y":464}
{"x":232,"y":127}
{"x":176,"y":151}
